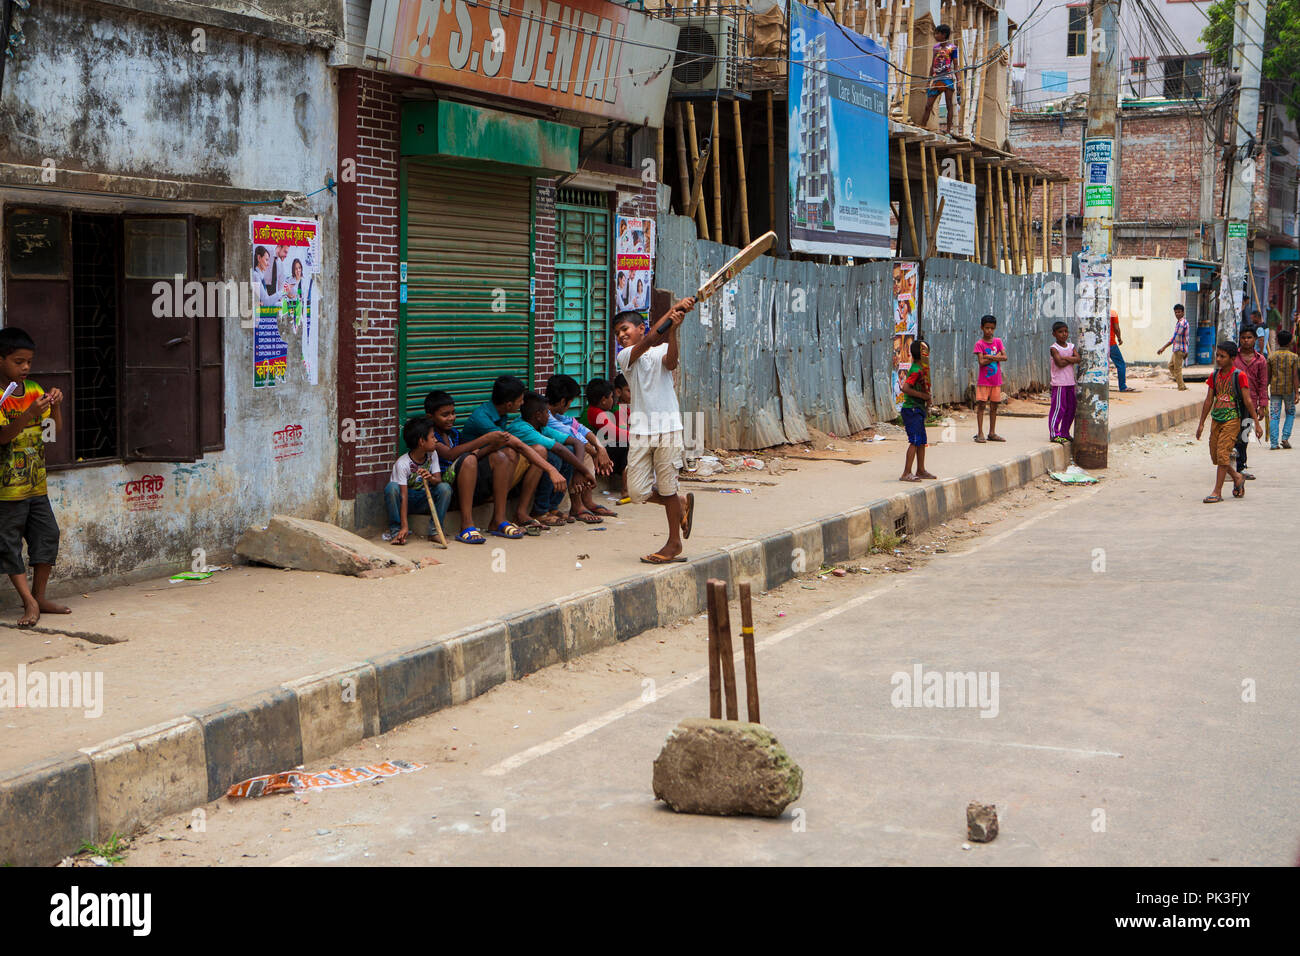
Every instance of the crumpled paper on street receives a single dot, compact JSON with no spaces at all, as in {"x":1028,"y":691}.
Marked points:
{"x":299,"y":781}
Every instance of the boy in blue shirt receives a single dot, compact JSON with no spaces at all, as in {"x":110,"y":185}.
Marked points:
{"x":531,"y":462}
{"x":533,"y":429}
{"x":561,"y":391}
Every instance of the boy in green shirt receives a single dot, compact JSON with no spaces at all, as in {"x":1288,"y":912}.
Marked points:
{"x":25,"y":512}
{"x":915,"y":398}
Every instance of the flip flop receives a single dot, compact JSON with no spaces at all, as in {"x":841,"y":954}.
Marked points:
{"x":587,"y":517}
{"x":604,"y":512}
{"x":996,"y":438}
{"x":504,"y":529}
{"x":1238,"y":490}
{"x":660,"y":559}
{"x":471,"y":535}
{"x":1212,"y":499}
{"x":688,"y":516}
{"x":981,"y":439}
{"x":910,"y":478}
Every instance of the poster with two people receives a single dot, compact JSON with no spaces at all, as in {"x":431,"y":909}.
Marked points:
{"x":285,"y":279}
{"x":634,"y":257}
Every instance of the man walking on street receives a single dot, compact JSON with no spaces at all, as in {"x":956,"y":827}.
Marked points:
{"x":1116,"y":356}
{"x":1182,"y":332}
{"x":1256,"y":370}
{"x":1283,"y":386}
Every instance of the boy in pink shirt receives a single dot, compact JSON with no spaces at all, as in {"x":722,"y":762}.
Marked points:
{"x":990,"y":353}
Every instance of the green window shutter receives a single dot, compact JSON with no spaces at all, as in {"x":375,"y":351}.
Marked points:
{"x":467,"y":318}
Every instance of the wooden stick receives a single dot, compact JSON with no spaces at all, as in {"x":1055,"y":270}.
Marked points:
{"x":684,"y":197}
{"x":1065,"y":188}
{"x":771,"y":168}
{"x":715,"y":670}
{"x":751,"y":659}
{"x":433,"y":514}
{"x":740,"y":168}
{"x":999,"y":219}
{"x":701,"y":217}
{"x":726,"y":655}
{"x":907,"y":195}
{"x":934,"y":236}
{"x":1026,"y":214}
{"x":715,"y":138}
{"x":934,"y":168}
{"x":659,"y":154}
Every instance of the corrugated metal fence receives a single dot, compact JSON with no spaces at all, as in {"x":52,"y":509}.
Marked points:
{"x":808,"y":344}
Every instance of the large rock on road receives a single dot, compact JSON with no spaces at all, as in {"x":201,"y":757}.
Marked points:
{"x":725,"y":768}
{"x":306,"y":545}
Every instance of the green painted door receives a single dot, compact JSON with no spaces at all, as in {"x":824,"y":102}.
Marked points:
{"x":582,"y":284}
{"x":467,"y":242}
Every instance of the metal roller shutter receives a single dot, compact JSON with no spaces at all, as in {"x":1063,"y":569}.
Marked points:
{"x":467,"y":242}
{"x":582,"y":283}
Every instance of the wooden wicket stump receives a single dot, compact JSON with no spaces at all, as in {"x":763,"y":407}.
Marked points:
{"x":727,"y":767}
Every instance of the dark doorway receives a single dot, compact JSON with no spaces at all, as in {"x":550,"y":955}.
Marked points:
{"x":95,"y":268}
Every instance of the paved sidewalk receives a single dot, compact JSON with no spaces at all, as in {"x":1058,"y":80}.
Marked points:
{"x":259,"y":670}
{"x":191,"y":645}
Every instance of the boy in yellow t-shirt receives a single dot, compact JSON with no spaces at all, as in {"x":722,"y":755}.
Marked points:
{"x":25,"y":512}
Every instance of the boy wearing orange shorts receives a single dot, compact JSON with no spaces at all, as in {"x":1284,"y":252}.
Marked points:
{"x":990,"y":353}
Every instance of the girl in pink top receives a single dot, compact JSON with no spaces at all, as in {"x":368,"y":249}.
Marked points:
{"x":1064,"y":358}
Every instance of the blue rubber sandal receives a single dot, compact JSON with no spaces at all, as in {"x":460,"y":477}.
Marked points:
{"x":507,"y":530}
{"x":471,"y":535}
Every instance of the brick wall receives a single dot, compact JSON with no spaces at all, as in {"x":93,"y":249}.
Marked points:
{"x":1159,"y":176}
{"x":369,"y":126}
{"x":544,"y":226}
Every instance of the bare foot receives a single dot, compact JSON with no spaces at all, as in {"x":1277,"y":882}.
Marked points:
{"x":31,"y":613}
{"x":925,"y":474}
{"x":49,"y":607}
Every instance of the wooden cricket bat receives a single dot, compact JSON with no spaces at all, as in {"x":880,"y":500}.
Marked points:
{"x":433,"y":514}
{"x":735,"y":265}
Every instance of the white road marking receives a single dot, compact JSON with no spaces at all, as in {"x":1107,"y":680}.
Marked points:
{"x":960,"y":740}
{"x":631,"y":707}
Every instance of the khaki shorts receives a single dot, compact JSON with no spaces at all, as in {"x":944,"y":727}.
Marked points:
{"x":1223,"y":437}
{"x":652,"y":463}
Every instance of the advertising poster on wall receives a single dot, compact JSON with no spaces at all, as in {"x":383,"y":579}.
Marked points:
{"x":838,"y":139}
{"x":634,"y":260}
{"x":906,"y":325}
{"x":285,"y":276}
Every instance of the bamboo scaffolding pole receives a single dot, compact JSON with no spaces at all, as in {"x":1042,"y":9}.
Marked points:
{"x":925,"y":191}
{"x":740,"y":170}
{"x":991,"y":219}
{"x":1011,"y":222}
{"x":984,"y":74}
{"x":1065,"y":188}
{"x":938,"y":214}
{"x":697,"y":191}
{"x":934,"y":168}
{"x":907,"y":195}
{"x":716,"y":138}
{"x":684,"y":197}
{"x":701,"y":217}
{"x":993,"y":171}
{"x":1047,"y":232}
{"x":1026,"y":215}
{"x":771,"y":168}
{"x":659,"y":155}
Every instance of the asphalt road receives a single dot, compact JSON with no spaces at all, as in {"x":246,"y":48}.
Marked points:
{"x":1144,"y":647}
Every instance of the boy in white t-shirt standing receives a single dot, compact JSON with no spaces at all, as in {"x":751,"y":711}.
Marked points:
{"x":655,"y":445}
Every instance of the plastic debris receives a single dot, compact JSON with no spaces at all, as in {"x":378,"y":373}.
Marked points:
{"x":296,"y":781}
{"x":191,"y":576}
{"x":736,"y":491}
{"x":1074,"y":475}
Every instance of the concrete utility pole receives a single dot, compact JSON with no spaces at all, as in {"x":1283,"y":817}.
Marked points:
{"x":1092,"y":417}
{"x":1247,"y":54}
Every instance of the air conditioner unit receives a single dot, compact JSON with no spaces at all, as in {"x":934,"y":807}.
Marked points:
{"x":707,"y":56}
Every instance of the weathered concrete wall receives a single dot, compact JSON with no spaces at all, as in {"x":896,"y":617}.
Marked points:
{"x":124,"y":96}
{"x":98,"y":90}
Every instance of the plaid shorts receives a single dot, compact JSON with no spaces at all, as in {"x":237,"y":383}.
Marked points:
{"x":31,"y":519}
